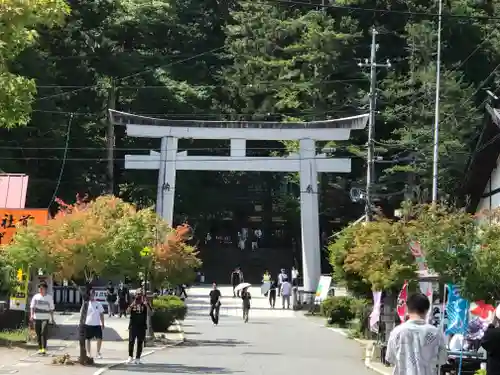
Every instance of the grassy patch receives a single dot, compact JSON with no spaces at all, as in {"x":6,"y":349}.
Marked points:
{"x":14,"y":336}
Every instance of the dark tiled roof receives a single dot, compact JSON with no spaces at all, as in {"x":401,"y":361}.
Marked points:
{"x":483,"y":159}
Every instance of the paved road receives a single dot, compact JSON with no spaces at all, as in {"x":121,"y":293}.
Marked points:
{"x":273,"y":342}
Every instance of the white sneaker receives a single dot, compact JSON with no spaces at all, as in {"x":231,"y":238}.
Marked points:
{"x":130,"y":360}
{"x":99,"y":356}
{"x":137,"y":361}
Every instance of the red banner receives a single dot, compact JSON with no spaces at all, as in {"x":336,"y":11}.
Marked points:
{"x":403,"y":296}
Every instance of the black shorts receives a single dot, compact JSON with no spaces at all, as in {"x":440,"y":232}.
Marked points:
{"x":93,"y":332}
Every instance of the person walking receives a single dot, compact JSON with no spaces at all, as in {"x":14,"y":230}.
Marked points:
{"x":138,"y":325}
{"x":266,"y":277}
{"x":94,"y":324}
{"x":236,"y":279}
{"x":416,"y":347}
{"x":286,"y":292}
{"x":272,"y":293}
{"x":123,"y":299}
{"x":111,"y":298}
{"x":266,"y":283}
{"x":281,"y":276}
{"x":41,"y":312}
{"x":246,"y":297}
{"x":182,"y":292}
{"x":295,"y":277}
{"x":215,"y":296}
{"x":491,"y":343}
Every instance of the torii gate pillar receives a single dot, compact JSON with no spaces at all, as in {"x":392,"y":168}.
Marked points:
{"x":166,"y":179}
{"x":309,"y":215}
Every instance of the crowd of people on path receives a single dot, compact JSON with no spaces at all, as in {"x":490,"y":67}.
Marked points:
{"x":42,"y":314}
{"x":270,"y":287}
{"x":280,"y":286}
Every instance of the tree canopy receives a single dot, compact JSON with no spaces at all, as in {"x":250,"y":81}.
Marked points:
{"x":458,"y":246}
{"x":241,"y":60}
{"x":101,"y":238}
{"x":19,"y":21}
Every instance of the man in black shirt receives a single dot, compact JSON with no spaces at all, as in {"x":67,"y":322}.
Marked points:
{"x":111,"y":298}
{"x":123,"y":299}
{"x":137,"y":327}
{"x":215,"y":304}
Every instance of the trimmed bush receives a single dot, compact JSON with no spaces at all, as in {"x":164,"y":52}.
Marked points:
{"x":166,"y":310}
{"x":338,"y":310}
{"x":362,"y":310}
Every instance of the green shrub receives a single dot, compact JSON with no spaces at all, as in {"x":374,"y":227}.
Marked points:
{"x":338,"y":310}
{"x":167,"y":309}
{"x":361,"y":309}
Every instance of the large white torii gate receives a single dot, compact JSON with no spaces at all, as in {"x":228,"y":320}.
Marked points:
{"x":307,"y":162}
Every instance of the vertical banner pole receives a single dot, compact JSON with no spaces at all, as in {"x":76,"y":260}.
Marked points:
{"x":441,"y":322}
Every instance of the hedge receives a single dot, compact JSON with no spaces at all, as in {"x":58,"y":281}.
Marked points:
{"x":338,"y":310}
{"x":341,"y":310}
{"x":167,"y":309}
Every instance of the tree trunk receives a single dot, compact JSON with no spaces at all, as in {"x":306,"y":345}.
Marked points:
{"x":83,"y":359}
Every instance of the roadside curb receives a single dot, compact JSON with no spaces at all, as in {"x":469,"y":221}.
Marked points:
{"x":342,"y":332}
{"x":369,"y":365}
{"x":369,"y":349}
{"x":181,"y":340}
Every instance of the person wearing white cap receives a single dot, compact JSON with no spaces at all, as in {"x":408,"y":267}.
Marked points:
{"x":491,"y":343}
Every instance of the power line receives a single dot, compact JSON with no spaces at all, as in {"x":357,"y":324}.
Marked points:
{"x":135,"y":74}
{"x":311,"y":112}
{"x":383,"y":11}
{"x":276,"y":82}
{"x":144,"y":149}
{"x":61,"y":171}
{"x":157,"y":159}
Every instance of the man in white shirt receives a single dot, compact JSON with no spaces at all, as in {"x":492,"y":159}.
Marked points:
{"x":281,"y":277}
{"x":41,"y":311}
{"x":295,"y":277}
{"x":286,"y":292}
{"x":94,"y":324}
{"x":416,"y":347}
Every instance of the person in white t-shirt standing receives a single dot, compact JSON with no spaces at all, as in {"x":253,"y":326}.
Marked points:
{"x":286,"y":292}
{"x":41,"y":312}
{"x":94,"y":324}
{"x":295,"y":277}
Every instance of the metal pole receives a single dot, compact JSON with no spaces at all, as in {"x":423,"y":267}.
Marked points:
{"x":371,"y":126}
{"x":442,"y":315}
{"x":371,"y":120}
{"x":436,"y":108}
{"x":110,"y":138}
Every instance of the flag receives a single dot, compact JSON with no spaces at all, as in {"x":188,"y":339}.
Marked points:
{"x":482,"y":310}
{"x":403,"y":296}
{"x":457,"y":309}
{"x":375,"y":315}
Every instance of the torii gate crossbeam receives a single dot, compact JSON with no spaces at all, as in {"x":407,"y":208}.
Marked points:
{"x":307,"y":162}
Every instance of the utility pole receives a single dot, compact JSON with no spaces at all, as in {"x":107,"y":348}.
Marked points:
{"x":110,"y":138}
{"x":371,"y":120}
{"x":435,"y":159}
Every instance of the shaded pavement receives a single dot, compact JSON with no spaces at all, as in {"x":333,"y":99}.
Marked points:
{"x":64,"y":341}
{"x":273,"y":342}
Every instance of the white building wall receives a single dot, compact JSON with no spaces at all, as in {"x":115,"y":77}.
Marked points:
{"x":493,"y":201}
